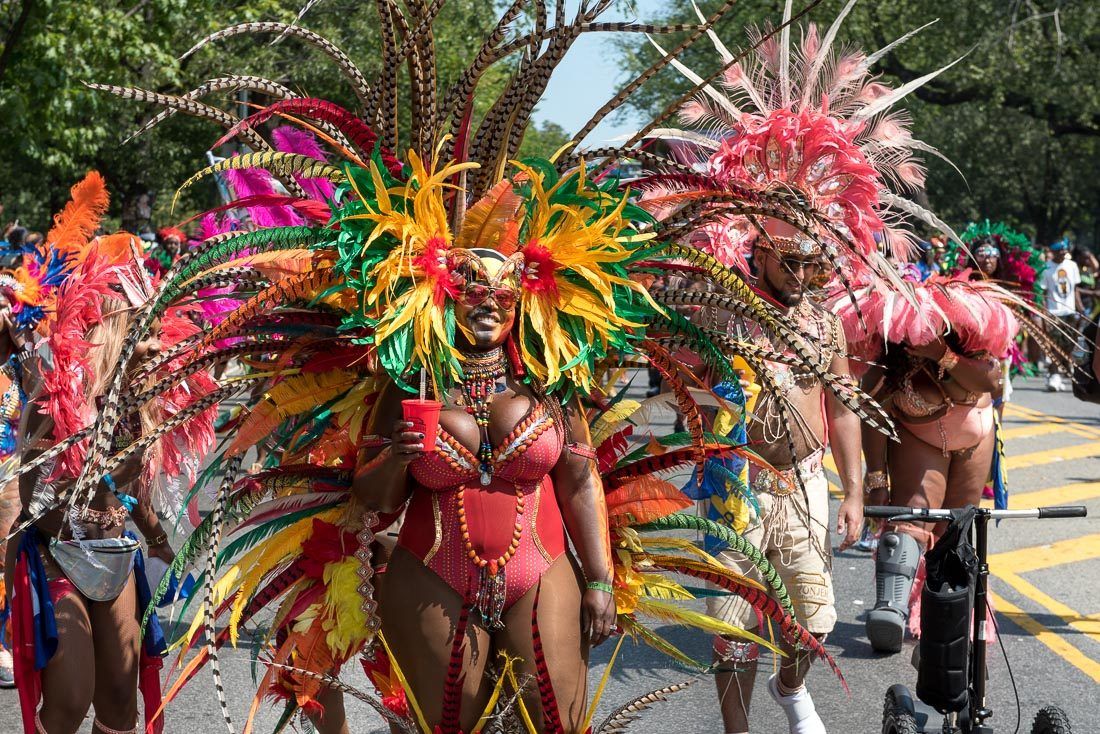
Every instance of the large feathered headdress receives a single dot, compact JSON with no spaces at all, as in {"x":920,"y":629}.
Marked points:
{"x":812,"y":120}
{"x":566,"y":242}
{"x":1020,"y":261}
{"x":32,"y":287}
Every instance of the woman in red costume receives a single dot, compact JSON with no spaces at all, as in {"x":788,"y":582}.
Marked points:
{"x":507,"y":292}
{"x":491,"y":534}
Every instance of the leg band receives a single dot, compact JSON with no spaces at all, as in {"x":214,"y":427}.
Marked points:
{"x":97,"y":724}
{"x":732,"y":654}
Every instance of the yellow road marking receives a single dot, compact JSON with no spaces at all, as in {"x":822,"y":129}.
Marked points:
{"x":1034,"y":415}
{"x":1031,"y":430}
{"x":1063,"y":495}
{"x":1090,"y":627}
{"x":1063,"y":649}
{"x":1049,"y":456}
{"x":1064,"y":552}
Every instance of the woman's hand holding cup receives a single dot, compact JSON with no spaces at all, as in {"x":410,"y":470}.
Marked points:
{"x":407,"y":444}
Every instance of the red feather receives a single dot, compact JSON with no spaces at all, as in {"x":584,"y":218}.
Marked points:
{"x":668,"y":460}
{"x":357,"y":132}
{"x":792,"y":631}
{"x":451,"y":709}
{"x":608,"y":452}
{"x":664,"y":363}
{"x":542,"y":673}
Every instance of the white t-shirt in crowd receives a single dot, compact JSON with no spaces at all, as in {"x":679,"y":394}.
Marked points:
{"x":1060,"y":282}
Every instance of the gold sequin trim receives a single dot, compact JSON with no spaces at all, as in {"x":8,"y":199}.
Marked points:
{"x":437,"y":517}
{"x":534,"y":530}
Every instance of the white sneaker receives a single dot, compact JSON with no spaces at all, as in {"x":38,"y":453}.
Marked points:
{"x":1054,"y":383}
{"x":799,"y":707}
{"x":7,"y":670}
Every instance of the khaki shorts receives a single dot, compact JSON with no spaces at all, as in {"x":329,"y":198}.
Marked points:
{"x":783,"y":535}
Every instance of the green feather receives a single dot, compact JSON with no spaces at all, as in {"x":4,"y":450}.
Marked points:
{"x":736,"y":542}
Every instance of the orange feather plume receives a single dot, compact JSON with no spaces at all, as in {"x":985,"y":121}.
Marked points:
{"x":491,"y":222}
{"x":644,"y":500}
{"x":118,"y":248}
{"x":78,"y":221}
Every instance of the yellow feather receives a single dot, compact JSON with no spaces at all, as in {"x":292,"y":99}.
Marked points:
{"x":662,"y":587}
{"x":221,"y":590}
{"x":667,"y":612}
{"x":264,"y":558}
{"x":346,"y":623}
{"x":292,"y":396}
{"x":603,"y":684}
{"x":611,"y":421}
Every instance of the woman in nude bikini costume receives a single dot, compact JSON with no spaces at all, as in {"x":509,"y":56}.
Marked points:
{"x":938,"y":380}
{"x":75,"y":575}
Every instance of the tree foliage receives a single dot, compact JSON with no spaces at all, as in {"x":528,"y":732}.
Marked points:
{"x":1019,"y":115}
{"x":57,"y":129}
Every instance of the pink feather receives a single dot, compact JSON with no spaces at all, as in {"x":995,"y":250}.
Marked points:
{"x":289,"y":139}
{"x":256,"y":181}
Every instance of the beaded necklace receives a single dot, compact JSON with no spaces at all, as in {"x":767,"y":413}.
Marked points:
{"x":479,"y":385}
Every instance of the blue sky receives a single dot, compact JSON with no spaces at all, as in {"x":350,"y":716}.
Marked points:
{"x":589,"y":76}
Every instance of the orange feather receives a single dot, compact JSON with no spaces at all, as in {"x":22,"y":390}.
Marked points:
{"x":644,"y":500}
{"x":486,"y":223}
{"x":118,"y":248}
{"x":80,"y":218}
{"x":311,"y":653}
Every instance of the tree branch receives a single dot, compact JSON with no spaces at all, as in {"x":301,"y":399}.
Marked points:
{"x":1060,"y":120}
{"x":16,"y":32}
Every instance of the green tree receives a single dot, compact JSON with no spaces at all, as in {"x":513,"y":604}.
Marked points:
{"x":543,"y":139}
{"x":1019,"y":114}
{"x":57,"y":128}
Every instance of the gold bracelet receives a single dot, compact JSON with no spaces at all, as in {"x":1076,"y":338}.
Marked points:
{"x":159,"y":540}
{"x":948,"y":361}
{"x":875,"y":480}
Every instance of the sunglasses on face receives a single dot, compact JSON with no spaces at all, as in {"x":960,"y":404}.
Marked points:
{"x":794,"y":264}
{"x":476,"y":294}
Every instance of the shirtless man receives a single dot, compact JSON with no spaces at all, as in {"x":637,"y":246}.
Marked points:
{"x":793,"y":526}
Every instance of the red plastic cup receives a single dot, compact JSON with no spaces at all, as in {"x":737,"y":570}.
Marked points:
{"x":424,"y":415}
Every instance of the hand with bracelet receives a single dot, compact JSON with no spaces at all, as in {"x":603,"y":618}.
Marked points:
{"x":876,"y":487}
{"x":598,"y":611}
{"x":159,"y":547}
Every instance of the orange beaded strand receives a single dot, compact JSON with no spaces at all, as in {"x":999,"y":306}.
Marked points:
{"x":495,"y":565}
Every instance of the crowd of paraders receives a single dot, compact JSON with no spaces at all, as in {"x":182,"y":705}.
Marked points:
{"x":383,"y":405}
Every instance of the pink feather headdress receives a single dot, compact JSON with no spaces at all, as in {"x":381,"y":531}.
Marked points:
{"x":67,"y":374}
{"x":814,"y":120}
{"x":912,"y":313}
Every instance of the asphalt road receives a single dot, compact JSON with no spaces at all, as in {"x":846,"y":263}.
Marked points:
{"x":1046,"y":581}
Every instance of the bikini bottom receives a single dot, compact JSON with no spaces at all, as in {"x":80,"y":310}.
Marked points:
{"x":959,"y":428}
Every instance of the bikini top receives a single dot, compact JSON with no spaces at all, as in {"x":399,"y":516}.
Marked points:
{"x":911,"y":403}
{"x":525,"y":456}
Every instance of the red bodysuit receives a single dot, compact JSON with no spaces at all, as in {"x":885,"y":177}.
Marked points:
{"x":523,"y":462}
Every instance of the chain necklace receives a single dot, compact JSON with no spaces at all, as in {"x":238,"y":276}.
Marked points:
{"x":479,"y":383}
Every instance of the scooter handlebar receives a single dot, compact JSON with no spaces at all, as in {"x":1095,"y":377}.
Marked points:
{"x":929,"y":515}
{"x":1063,"y":511}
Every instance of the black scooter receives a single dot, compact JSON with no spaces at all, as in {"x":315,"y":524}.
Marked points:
{"x":963,"y":711}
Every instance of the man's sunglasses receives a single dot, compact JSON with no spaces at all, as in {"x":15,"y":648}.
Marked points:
{"x":476,"y":294}
{"x":794,"y":263}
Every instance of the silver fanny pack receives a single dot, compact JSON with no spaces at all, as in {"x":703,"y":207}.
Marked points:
{"x":100,"y":568}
